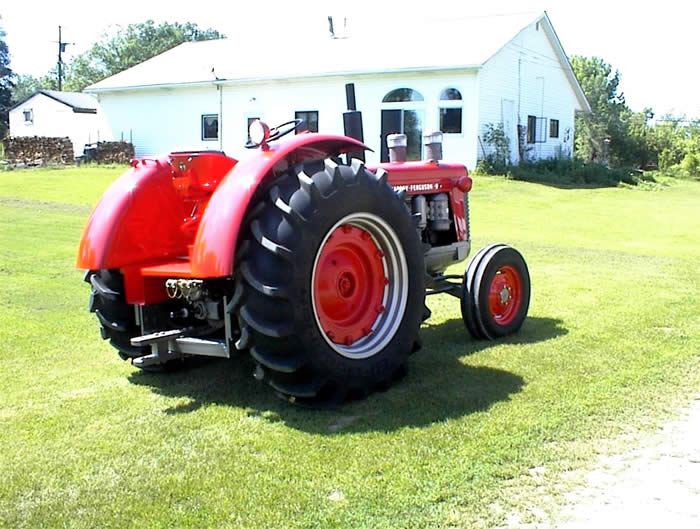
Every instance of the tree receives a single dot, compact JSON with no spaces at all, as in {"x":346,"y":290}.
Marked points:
{"x":137,"y":43}
{"x":27,"y":85}
{"x":6,"y":84}
{"x":600,"y":84}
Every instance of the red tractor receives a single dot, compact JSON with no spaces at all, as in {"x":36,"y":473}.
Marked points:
{"x":318,"y":268}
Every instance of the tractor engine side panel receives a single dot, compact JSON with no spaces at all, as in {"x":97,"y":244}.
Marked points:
{"x":429,"y":178}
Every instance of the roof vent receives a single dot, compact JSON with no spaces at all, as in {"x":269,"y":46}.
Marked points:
{"x":335,"y":29}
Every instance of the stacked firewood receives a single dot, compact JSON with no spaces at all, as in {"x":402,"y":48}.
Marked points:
{"x":38,"y":150}
{"x":114,"y":152}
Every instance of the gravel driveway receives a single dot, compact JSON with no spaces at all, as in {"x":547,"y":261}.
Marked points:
{"x":653,"y":485}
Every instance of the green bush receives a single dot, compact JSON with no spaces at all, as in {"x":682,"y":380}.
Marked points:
{"x":665,"y":159}
{"x":691,"y":165}
{"x":688,"y":168}
{"x":563,"y":172}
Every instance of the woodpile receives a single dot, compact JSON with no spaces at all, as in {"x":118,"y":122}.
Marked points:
{"x":38,"y":150}
{"x":113,"y":152}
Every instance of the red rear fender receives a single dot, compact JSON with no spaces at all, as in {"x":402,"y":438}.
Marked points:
{"x":214,"y":249}
{"x":151,"y":212}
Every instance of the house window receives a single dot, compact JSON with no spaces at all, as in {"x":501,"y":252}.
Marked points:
{"x":210,"y":126}
{"x":250,"y":120}
{"x":402,"y":111}
{"x":451,"y":111}
{"x":450,"y":94}
{"x":451,"y":120}
{"x":536,"y":129}
{"x":28,"y":116}
{"x":310,"y":122}
{"x":553,"y":128}
{"x":401,"y":95}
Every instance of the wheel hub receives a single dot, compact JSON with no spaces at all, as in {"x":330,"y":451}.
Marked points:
{"x":346,"y":284}
{"x":505,"y":294}
{"x":349,"y":281}
{"x":360,"y":286}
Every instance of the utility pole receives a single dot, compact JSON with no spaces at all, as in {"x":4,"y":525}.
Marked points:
{"x":61,"y":48}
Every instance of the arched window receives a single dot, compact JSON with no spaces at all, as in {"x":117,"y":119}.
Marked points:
{"x":402,"y":94}
{"x":450,"y":94}
{"x":451,"y":111}
{"x":402,"y":111}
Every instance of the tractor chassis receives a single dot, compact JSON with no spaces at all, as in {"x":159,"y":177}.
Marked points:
{"x":175,"y":344}
{"x":444,"y":284}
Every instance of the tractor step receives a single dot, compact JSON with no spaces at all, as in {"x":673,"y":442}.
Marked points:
{"x":167,"y":345}
{"x":155,"y":359}
{"x":157,"y":337}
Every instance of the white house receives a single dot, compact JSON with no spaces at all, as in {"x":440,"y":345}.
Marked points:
{"x":457,"y":76}
{"x":60,"y":114}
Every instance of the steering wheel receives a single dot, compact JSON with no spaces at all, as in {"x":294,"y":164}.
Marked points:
{"x":277,"y":132}
{"x":285,"y":128}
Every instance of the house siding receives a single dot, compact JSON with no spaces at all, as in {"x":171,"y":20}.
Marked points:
{"x":527,"y":73}
{"x":162,"y":120}
{"x":529,"y":76}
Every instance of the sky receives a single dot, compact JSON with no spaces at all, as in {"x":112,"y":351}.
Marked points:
{"x":654,"y":45}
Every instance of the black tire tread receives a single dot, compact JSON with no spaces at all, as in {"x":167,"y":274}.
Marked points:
{"x":116,"y":316}
{"x":479,"y":295}
{"x":265,"y":305}
{"x":470,"y":315}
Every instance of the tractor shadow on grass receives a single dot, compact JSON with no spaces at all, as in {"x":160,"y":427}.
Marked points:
{"x":440,"y":385}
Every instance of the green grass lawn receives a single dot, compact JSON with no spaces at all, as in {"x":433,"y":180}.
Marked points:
{"x":611,"y":345}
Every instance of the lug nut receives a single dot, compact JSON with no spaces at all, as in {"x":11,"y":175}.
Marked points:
{"x":349,"y":340}
{"x":380,"y":309}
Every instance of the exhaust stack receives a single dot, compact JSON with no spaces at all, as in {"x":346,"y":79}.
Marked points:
{"x":352,"y":122}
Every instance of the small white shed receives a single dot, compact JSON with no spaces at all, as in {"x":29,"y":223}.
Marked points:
{"x":457,"y":76}
{"x":61,"y":114}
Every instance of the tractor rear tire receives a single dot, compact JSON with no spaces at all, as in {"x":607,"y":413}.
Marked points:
{"x":116,"y":316}
{"x":501,"y":292}
{"x":331,"y":284}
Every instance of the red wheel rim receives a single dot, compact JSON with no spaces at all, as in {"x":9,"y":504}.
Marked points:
{"x":505,"y":295}
{"x":349,"y":284}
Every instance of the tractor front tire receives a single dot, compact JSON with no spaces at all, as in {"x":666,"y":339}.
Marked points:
{"x":496,"y":292}
{"x":469,"y":315}
{"x":330,"y":284}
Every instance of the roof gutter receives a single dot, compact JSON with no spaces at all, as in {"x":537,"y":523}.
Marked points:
{"x":248,"y":80}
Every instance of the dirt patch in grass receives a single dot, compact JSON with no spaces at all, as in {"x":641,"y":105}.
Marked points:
{"x":656,"y":483}
{"x":39,"y":205}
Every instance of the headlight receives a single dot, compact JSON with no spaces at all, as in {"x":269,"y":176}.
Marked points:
{"x":258,"y":132}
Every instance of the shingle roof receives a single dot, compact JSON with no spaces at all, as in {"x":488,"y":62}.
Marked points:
{"x":461,"y":43}
{"x":78,"y":101}
{"x":457,"y":44}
